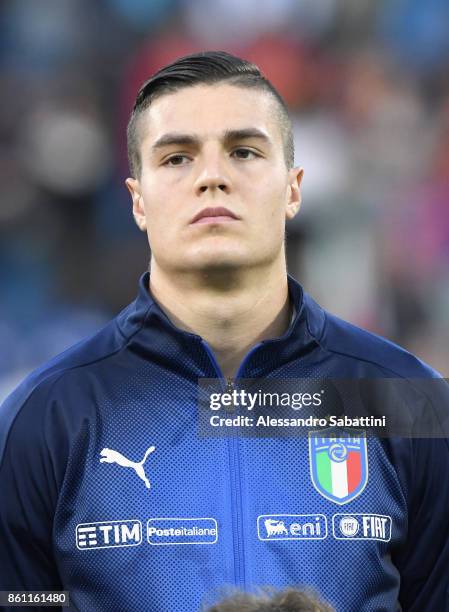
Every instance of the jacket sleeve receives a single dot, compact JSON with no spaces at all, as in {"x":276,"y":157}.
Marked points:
{"x":28,"y":494}
{"x":423,"y":562}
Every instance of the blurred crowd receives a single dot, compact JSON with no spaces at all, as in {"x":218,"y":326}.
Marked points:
{"x":368,"y":87}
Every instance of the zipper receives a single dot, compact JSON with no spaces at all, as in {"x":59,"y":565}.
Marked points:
{"x":237,"y":505}
{"x":228,"y":385}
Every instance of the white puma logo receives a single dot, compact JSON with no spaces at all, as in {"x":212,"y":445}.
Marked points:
{"x":111,"y":456}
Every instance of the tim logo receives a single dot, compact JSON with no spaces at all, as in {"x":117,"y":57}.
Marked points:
{"x":361,"y":527}
{"x":108,"y":534}
{"x":108,"y":455}
{"x":291,"y":527}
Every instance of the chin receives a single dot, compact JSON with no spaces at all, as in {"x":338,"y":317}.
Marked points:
{"x":218,"y":264}
{"x":216,"y":256}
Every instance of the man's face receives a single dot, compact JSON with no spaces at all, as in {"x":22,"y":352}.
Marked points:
{"x":204,"y":149}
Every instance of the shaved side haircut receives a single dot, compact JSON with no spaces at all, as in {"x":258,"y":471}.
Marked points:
{"x":207,"y":67}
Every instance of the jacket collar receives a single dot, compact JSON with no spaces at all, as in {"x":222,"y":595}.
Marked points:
{"x":152,"y":334}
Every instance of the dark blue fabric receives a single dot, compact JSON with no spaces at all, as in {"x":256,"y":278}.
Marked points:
{"x":133,"y":389}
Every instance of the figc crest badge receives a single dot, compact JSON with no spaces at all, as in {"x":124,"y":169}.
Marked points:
{"x":338,"y":463}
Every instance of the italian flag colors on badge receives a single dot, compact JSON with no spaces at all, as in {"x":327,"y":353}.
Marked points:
{"x":338,"y":464}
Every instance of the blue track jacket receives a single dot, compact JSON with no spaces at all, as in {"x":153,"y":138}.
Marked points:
{"x":107,"y":490}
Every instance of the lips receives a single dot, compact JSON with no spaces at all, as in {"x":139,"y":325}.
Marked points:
{"x":214,"y":215}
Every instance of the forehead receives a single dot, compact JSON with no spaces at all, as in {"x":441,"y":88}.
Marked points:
{"x":209,"y":110}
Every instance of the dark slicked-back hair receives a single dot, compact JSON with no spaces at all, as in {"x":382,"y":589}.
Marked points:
{"x":207,"y":67}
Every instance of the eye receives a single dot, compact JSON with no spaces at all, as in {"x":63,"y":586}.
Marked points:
{"x":176,"y":160}
{"x":243,"y":153}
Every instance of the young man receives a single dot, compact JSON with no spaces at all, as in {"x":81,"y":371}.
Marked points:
{"x":108,"y":491}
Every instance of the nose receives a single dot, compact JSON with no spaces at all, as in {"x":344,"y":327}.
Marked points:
{"x":212,"y":176}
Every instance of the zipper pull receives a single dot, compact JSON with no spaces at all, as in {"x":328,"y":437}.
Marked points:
{"x":230,"y":386}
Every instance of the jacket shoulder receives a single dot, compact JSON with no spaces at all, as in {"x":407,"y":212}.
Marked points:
{"x":35,"y":389}
{"x":344,"y":338}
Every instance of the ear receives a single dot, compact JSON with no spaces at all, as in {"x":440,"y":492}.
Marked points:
{"x":294,"y":192}
{"x":137,"y":199}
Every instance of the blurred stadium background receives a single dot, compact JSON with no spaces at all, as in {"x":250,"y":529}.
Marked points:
{"x":368,"y":86}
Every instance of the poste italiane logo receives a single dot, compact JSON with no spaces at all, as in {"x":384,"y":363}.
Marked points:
{"x":160,"y":531}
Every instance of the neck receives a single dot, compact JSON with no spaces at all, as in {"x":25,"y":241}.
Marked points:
{"x":231,"y":310}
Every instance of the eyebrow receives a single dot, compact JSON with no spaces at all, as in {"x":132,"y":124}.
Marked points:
{"x":180,"y":139}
